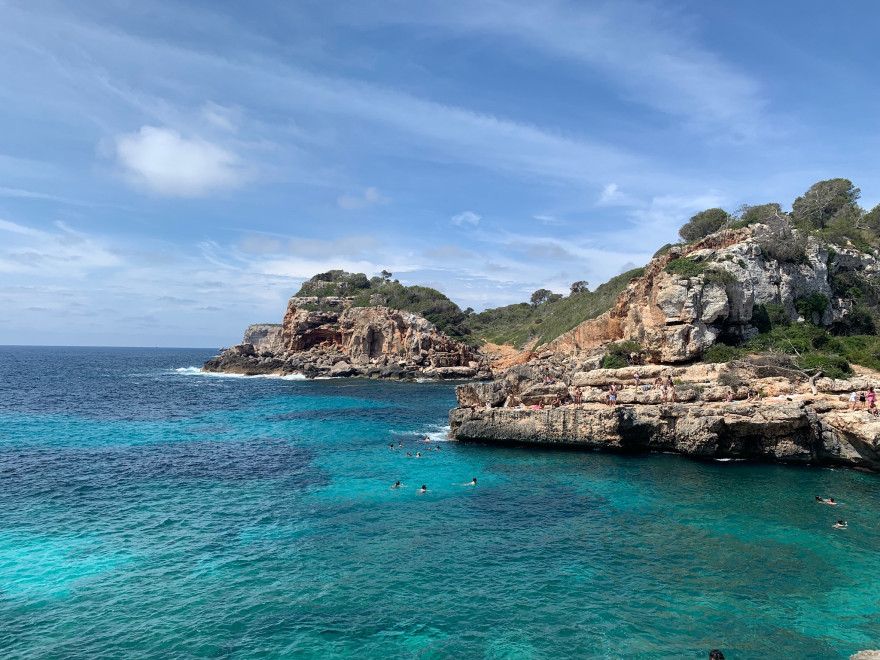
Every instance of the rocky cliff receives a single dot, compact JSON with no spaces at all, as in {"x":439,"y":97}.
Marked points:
{"x":714,"y":413}
{"x":327,"y":336}
{"x":678,"y":313}
{"x":815,"y":431}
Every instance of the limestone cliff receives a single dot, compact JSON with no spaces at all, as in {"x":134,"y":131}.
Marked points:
{"x":676,"y":318}
{"x":328,"y":336}
{"x":802,"y":431}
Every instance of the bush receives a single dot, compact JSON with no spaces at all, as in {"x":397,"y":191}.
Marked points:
{"x":812,"y":306}
{"x":719,"y":276}
{"x":685,"y":268}
{"x":613,"y":361}
{"x":702,"y":224}
{"x":719,"y":353}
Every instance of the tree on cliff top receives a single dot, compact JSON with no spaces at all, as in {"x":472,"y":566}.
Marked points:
{"x":827,"y":203}
{"x":702,"y":224}
{"x":539,"y":296}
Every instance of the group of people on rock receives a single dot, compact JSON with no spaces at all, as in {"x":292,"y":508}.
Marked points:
{"x":864,"y":400}
{"x":840,"y":524}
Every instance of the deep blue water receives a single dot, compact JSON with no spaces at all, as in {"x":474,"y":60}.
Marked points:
{"x":148,"y":511}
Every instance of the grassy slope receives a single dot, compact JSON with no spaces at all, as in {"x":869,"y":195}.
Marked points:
{"x":523,"y":323}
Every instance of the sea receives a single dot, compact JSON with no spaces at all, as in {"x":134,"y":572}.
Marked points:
{"x":148,"y":510}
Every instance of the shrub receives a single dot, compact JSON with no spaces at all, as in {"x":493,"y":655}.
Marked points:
{"x":613,"y":361}
{"x":702,"y":224}
{"x":719,"y":276}
{"x":719,"y":353}
{"x":685,"y":268}
{"x":812,"y":306}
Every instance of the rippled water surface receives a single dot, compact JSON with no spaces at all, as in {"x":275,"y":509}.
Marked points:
{"x":148,"y":511}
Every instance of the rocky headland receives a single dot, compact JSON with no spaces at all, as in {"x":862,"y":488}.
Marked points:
{"x":330,"y":337}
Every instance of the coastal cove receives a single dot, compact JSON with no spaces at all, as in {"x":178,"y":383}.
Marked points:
{"x":148,"y":509}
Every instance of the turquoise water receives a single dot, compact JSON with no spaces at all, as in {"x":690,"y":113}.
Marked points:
{"x":147,"y":511}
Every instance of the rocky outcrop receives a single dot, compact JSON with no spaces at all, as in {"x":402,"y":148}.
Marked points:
{"x":677,"y":318}
{"x":329,"y":337}
{"x":800,"y":431}
{"x":264,"y":337}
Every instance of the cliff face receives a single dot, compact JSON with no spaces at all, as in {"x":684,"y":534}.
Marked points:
{"x":329,"y":337}
{"x":677,"y":318}
{"x":802,"y":431}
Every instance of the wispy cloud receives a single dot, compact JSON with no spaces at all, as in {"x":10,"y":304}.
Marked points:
{"x":465,"y":218}
{"x":653,"y":55}
{"x":370,"y":197}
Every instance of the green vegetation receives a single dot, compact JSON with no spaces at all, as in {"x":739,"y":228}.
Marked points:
{"x":523,"y":323}
{"x":430,"y":303}
{"x":702,"y":224}
{"x":685,"y":267}
{"x":721,"y":353}
{"x":614,"y":361}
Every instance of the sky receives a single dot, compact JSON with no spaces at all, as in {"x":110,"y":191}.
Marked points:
{"x":171,"y":172}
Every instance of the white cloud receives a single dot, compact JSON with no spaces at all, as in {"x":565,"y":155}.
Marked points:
{"x":612,"y":196}
{"x":371,"y":197}
{"x":162,"y":161}
{"x":466,"y":218}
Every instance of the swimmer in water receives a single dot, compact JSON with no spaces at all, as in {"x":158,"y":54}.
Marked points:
{"x":427,"y":439}
{"x":391,"y":446}
{"x":471,"y":483}
{"x":418,"y":454}
{"x":408,"y":455}
{"x":422,"y":490}
{"x":819,"y":499}
{"x":831,"y":501}
{"x":841,"y":524}
{"x":437,"y":448}
{"x":397,"y":485}
{"x":400,"y":444}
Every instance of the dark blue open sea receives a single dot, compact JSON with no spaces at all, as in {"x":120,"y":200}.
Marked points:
{"x":150,"y":511}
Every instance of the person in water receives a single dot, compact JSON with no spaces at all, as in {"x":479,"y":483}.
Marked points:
{"x":841,"y":524}
{"x":831,"y":501}
{"x":408,"y":455}
{"x":471,"y":483}
{"x":391,"y":446}
{"x":819,"y":499}
{"x":418,"y":454}
{"x":715,"y":654}
{"x":427,"y":439}
{"x":422,"y":490}
{"x":396,"y":485}
{"x":437,"y":448}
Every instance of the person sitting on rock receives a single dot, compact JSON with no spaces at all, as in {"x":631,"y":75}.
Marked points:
{"x":549,"y":381}
{"x":658,"y":383}
{"x":729,"y":396}
{"x":754,"y":395}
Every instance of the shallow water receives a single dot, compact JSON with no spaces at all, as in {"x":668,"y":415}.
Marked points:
{"x":150,"y":511}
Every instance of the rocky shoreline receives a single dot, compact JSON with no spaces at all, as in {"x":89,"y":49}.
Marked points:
{"x":789,"y":423}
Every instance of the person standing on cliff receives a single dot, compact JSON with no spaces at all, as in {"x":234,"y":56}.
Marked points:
{"x":637,"y":377}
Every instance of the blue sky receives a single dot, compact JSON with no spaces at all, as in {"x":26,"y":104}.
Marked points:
{"x":171,"y":171}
